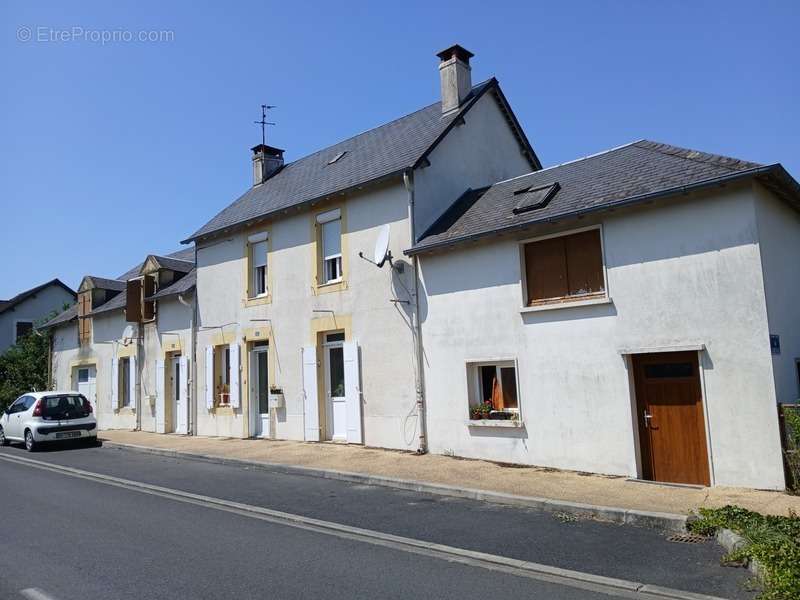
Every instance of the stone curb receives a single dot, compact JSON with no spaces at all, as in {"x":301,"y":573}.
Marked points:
{"x":655,"y":520}
{"x":732,"y":541}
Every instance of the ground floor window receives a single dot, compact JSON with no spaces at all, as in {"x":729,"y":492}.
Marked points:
{"x":493,"y":390}
{"x":222,"y":375}
{"x":124,"y":388}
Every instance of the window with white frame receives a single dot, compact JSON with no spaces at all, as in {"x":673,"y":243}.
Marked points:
{"x":330,"y":225}
{"x":258,"y":265}
{"x":493,"y":390}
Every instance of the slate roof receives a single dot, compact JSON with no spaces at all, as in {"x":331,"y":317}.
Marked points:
{"x":373,"y":155}
{"x":185,"y":254}
{"x":22,"y":296}
{"x":116,"y":302}
{"x":104,"y":283}
{"x":632,"y":173}
{"x":183,"y":285}
{"x":175,"y":264}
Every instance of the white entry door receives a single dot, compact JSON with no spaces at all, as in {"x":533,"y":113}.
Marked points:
{"x":86,"y":383}
{"x":336,"y":400}
{"x":259,"y":391}
{"x":178,"y":395}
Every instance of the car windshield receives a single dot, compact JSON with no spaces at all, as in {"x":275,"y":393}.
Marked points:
{"x":65,"y":407}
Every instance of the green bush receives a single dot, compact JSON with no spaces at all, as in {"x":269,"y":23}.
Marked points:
{"x":23,"y":368}
{"x":771,"y":540}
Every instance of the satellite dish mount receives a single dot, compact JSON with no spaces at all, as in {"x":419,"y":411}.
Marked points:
{"x":382,"y":253}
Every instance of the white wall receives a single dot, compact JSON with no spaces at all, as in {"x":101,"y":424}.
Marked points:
{"x":380,"y":327}
{"x":474,"y":155}
{"x":779,"y":234}
{"x":681,"y":273}
{"x":33,"y":309}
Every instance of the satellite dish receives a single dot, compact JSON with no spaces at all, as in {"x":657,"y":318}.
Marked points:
{"x":127,"y":335}
{"x":382,"y":246}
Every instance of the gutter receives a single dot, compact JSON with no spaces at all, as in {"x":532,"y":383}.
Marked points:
{"x":408,"y":181}
{"x":684,"y":189}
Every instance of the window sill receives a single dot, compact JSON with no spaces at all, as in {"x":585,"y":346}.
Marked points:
{"x":566,"y":304}
{"x":223,"y":411}
{"x":257,"y":301}
{"x":331,"y":286}
{"x":504,"y":423}
{"x":125,"y":410}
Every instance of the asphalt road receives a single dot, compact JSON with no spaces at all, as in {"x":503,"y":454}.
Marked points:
{"x":78,"y":538}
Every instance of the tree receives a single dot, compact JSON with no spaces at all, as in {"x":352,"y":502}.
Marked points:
{"x":23,"y":368}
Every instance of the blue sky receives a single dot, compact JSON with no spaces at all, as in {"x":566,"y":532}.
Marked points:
{"x":110,"y":151}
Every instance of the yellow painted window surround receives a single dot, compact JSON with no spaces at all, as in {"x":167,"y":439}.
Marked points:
{"x":329,"y":252}
{"x":256,"y":269}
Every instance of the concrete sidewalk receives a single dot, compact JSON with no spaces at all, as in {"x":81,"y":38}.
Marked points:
{"x":474,"y":474}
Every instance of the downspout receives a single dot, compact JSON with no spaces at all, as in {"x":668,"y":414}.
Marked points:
{"x":139,"y":403}
{"x":193,"y":369}
{"x":419,"y":379}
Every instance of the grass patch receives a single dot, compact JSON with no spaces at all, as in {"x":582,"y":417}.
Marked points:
{"x":773,"y":541}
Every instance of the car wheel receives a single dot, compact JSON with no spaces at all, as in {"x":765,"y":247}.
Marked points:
{"x":3,"y":440}
{"x":30,"y":443}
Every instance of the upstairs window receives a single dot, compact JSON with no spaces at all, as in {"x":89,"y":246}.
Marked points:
{"x":23,"y":328}
{"x":331,"y":244}
{"x":149,"y":288}
{"x":84,"y":318}
{"x":564,"y":268}
{"x":258,"y":265}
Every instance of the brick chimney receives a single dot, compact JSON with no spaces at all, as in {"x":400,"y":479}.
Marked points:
{"x":266,"y":162}
{"x":455,"y":74}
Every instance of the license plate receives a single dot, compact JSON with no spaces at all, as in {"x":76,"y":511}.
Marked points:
{"x":68,"y":434}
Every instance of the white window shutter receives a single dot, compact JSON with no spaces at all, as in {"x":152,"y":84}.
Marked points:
{"x":132,"y":380}
{"x":310,"y":401}
{"x":182,"y":420}
{"x":209,"y":377}
{"x":161,"y":416}
{"x":234,"y":385}
{"x":114,"y":383}
{"x":352,"y":392}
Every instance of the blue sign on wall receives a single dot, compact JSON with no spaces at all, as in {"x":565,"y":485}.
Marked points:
{"x":775,"y":344}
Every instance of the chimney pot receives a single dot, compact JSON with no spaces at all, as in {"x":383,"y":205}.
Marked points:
{"x":455,"y":75}
{"x":267,"y":160}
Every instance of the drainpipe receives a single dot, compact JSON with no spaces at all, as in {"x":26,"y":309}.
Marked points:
{"x":193,"y":368}
{"x":138,"y":400}
{"x":419,"y":379}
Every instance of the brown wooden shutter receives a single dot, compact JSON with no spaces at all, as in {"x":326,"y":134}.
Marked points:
{"x":546,"y":269}
{"x":133,"y":301}
{"x":149,"y":306}
{"x":584,"y":263}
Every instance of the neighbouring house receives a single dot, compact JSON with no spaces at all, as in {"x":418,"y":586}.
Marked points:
{"x":427,"y":285}
{"x":20,"y":314}
{"x":126,"y":345}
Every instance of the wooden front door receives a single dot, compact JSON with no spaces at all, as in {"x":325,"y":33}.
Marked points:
{"x":672,"y":432}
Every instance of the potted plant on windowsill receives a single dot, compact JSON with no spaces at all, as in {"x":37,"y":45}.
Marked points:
{"x":481,"y":411}
{"x":276,"y":399}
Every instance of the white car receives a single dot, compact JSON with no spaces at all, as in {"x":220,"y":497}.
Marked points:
{"x":48,"y":416}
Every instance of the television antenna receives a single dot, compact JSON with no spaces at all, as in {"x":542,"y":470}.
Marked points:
{"x":263,"y":122}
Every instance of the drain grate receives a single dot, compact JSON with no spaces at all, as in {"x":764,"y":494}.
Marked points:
{"x":687,"y":538}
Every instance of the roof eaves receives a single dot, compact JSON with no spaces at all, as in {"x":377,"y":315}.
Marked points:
{"x":682,"y":189}
{"x":294,"y":208}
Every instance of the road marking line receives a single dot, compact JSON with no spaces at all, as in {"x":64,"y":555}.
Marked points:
{"x":35,"y":594}
{"x":597,"y":583}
